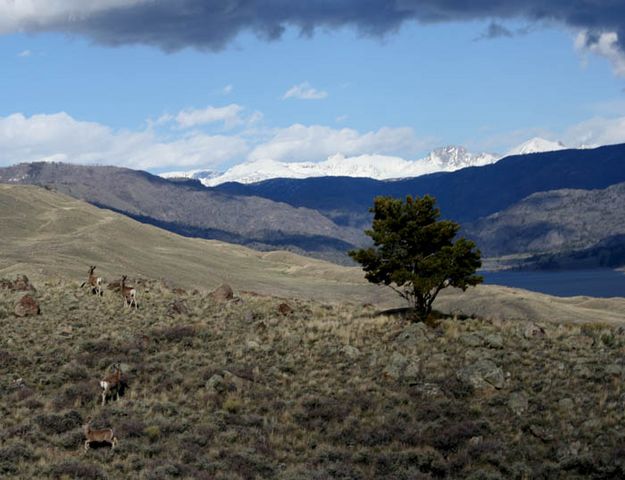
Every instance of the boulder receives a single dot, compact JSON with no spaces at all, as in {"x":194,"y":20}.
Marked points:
{"x":177,"y":307}
{"x":396,"y":366}
{"x":222,"y":293}
{"x":350,"y":352}
{"x":518,"y":402}
{"x":401,"y":367}
{"x":483,"y":373}
{"x":285,"y":309}
{"x":27,"y":306}
{"x":22,"y":284}
{"x":533,"y":330}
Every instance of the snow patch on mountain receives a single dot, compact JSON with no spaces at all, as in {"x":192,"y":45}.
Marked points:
{"x":536,"y":145}
{"x":380,"y":167}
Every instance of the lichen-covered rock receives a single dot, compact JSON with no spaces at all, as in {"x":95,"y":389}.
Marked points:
{"x":222,"y":294}
{"x":483,"y":373}
{"x":27,"y":306}
{"x":350,"y":352}
{"x":532,"y":330}
{"x":177,"y":307}
{"x":396,"y":365}
{"x":518,"y":402}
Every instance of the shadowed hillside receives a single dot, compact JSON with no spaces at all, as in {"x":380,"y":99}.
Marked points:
{"x":464,"y":195}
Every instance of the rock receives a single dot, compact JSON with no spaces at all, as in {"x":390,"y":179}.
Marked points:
{"x":413,"y":334}
{"x":27,"y":306}
{"x":252,"y":346}
{"x":412,"y":371}
{"x":614,"y":369}
{"x":518,"y":402}
{"x":483,"y":373}
{"x":285,"y":309}
{"x":396,"y":365}
{"x":222,"y":293}
{"x":471,"y":340}
{"x":216,"y":384}
{"x":350,"y":352}
{"x":533,"y":330}
{"x":22,"y":284}
{"x":427,"y":390}
{"x":494,"y":340}
{"x":177,"y":307}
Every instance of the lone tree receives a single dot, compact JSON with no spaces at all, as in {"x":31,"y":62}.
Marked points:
{"x":415,"y":253}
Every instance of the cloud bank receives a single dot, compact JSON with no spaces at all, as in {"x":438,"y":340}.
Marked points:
{"x":213,"y":24}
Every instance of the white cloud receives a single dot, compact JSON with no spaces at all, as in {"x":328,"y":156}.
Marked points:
{"x":15,"y":15}
{"x":229,"y":115}
{"x":304,"y":91}
{"x":596,"y":131}
{"x":59,"y":137}
{"x":25,"y":53}
{"x":227,"y":90}
{"x":316,"y":142}
{"x":604,"y":45}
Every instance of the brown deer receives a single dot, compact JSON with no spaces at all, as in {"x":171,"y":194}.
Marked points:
{"x":103,"y":435}
{"x":128,"y":293}
{"x":112,"y":383}
{"x":94,"y":281}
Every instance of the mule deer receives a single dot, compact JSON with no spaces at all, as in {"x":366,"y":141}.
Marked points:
{"x":111,"y":382}
{"x":94,"y":281}
{"x":128,"y":293}
{"x":105,"y":435}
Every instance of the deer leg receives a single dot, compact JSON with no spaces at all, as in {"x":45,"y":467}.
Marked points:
{"x":86,"y":445}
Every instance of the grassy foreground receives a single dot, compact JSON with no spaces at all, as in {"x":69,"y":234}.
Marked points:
{"x":239,"y":390}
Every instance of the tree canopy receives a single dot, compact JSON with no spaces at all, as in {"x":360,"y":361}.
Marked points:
{"x":415,"y":253}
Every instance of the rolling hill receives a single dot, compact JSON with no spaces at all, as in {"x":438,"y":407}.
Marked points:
{"x":48,"y":235}
{"x":190,"y":209}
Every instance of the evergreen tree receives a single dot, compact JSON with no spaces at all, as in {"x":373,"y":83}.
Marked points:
{"x":415,"y":253}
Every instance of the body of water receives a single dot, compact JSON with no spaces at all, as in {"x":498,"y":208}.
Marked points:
{"x":599,"y":282}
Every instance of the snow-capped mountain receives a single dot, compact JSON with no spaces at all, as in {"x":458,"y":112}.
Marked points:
{"x":381,"y":167}
{"x":536,"y":145}
{"x":453,"y":158}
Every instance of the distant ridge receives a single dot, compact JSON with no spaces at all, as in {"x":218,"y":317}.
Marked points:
{"x":379,"y":167}
{"x":464,"y":195}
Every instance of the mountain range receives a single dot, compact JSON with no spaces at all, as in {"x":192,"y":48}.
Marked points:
{"x":532,"y":204}
{"x":380,"y":167}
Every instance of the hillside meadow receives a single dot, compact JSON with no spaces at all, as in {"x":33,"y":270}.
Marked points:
{"x":251,"y":388}
{"x":302,"y":375}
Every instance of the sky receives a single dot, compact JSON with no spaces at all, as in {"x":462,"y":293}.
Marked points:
{"x":167,"y":85}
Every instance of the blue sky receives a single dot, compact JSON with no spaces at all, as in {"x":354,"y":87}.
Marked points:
{"x":72,"y":97}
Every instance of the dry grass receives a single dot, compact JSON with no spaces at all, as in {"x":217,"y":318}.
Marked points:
{"x":240,"y":391}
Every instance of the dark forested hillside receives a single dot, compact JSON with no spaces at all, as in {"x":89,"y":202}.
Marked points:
{"x":464,"y":195}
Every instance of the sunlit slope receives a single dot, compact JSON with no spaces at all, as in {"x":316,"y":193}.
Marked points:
{"x":46,"y":233}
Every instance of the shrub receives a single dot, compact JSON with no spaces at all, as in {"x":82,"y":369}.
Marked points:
{"x":77,"y":470}
{"x":55,"y":424}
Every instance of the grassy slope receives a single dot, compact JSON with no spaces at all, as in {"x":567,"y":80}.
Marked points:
{"x":46,"y":233}
{"x":237,"y":391}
